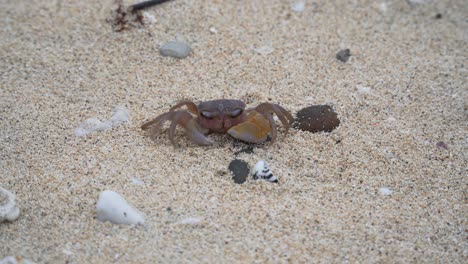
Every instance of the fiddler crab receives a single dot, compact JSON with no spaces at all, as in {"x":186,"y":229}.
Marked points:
{"x":222,"y":116}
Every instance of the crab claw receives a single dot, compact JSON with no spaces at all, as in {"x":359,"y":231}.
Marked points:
{"x":254,"y":130}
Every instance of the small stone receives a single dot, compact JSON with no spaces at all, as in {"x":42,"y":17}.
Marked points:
{"x":150,"y":18}
{"x":265,"y":50}
{"x":137,"y":181}
{"x":363,"y":89}
{"x":9,"y":211}
{"x":213,"y":30}
{"x":190,"y":221}
{"x":175,"y":49}
{"x":438,"y":16}
{"x":240,"y":170}
{"x":416,"y":2}
{"x":114,"y":208}
{"x":316,"y":118}
{"x":343,"y":55}
{"x":385,"y":191}
{"x":298,"y":7}
{"x":441,"y":144}
{"x":15,"y":260}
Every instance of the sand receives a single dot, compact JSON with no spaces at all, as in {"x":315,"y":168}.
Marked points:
{"x":402,"y":91}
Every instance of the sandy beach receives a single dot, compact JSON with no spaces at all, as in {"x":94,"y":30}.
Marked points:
{"x":401,"y":99}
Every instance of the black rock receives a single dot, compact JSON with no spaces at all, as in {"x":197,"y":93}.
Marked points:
{"x":316,"y":118}
{"x":240,"y":170}
{"x":343,"y":55}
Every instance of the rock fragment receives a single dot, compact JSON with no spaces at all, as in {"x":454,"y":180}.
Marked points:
{"x":114,"y":208}
{"x":343,"y":55}
{"x":9,"y":211}
{"x":175,"y":49}
{"x":316,"y":118}
{"x":240,"y":170}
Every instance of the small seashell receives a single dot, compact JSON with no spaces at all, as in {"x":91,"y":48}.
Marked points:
{"x":175,"y":49}
{"x":316,"y":118}
{"x":262,"y":171}
{"x":240,"y":170}
{"x":9,"y":211}
{"x":113,"y":207}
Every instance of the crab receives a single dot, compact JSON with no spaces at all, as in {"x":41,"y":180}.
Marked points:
{"x":251,"y":125}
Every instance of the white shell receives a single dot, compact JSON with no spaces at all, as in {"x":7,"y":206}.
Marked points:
{"x":113,"y":207}
{"x":8,"y":209}
{"x":262,"y":171}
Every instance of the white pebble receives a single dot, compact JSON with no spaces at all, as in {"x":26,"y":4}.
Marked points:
{"x":151,"y":19}
{"x":383,"y":7}
{"x":213,"y":30}
{"x":419,"y":1}
{"x":113,"y":207}
{"x":9,"y":211}
{"x":265,"y":50}
{"x":262,"y":171}
{"x":91,"y":125}
{"x":175,"y":49}
{"x":190,"y":221}
{"x":15,"y":260}
{"x":137,"y":181}
{"x":385,"y":191}
{"x":120,"y":115}
{"x":363,"y":89}
{"x":94,"y":124}
{"x":298,"y":7}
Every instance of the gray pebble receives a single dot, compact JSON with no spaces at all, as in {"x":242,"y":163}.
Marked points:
{"x":175,"y":49}
{"x":240,"y":170}
{"x":343,"y":55}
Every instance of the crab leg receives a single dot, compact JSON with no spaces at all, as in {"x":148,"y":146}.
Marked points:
{"x":285,"y":117}
{"x":192,"y":107}
{"x":183,"y":118}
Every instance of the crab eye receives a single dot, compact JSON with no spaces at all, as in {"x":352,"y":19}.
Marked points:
{"x":236,"y":113}
{"x":207,"y":115}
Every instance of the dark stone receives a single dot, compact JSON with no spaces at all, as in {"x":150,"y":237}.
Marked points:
{"x":442,"y":144}
{"x":316,"y":118}
{"x":438,"y":16}
{"x":343,"y":55}
{"x":240,"y":170}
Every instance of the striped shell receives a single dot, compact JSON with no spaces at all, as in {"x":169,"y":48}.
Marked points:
{"x":262,"y":171}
